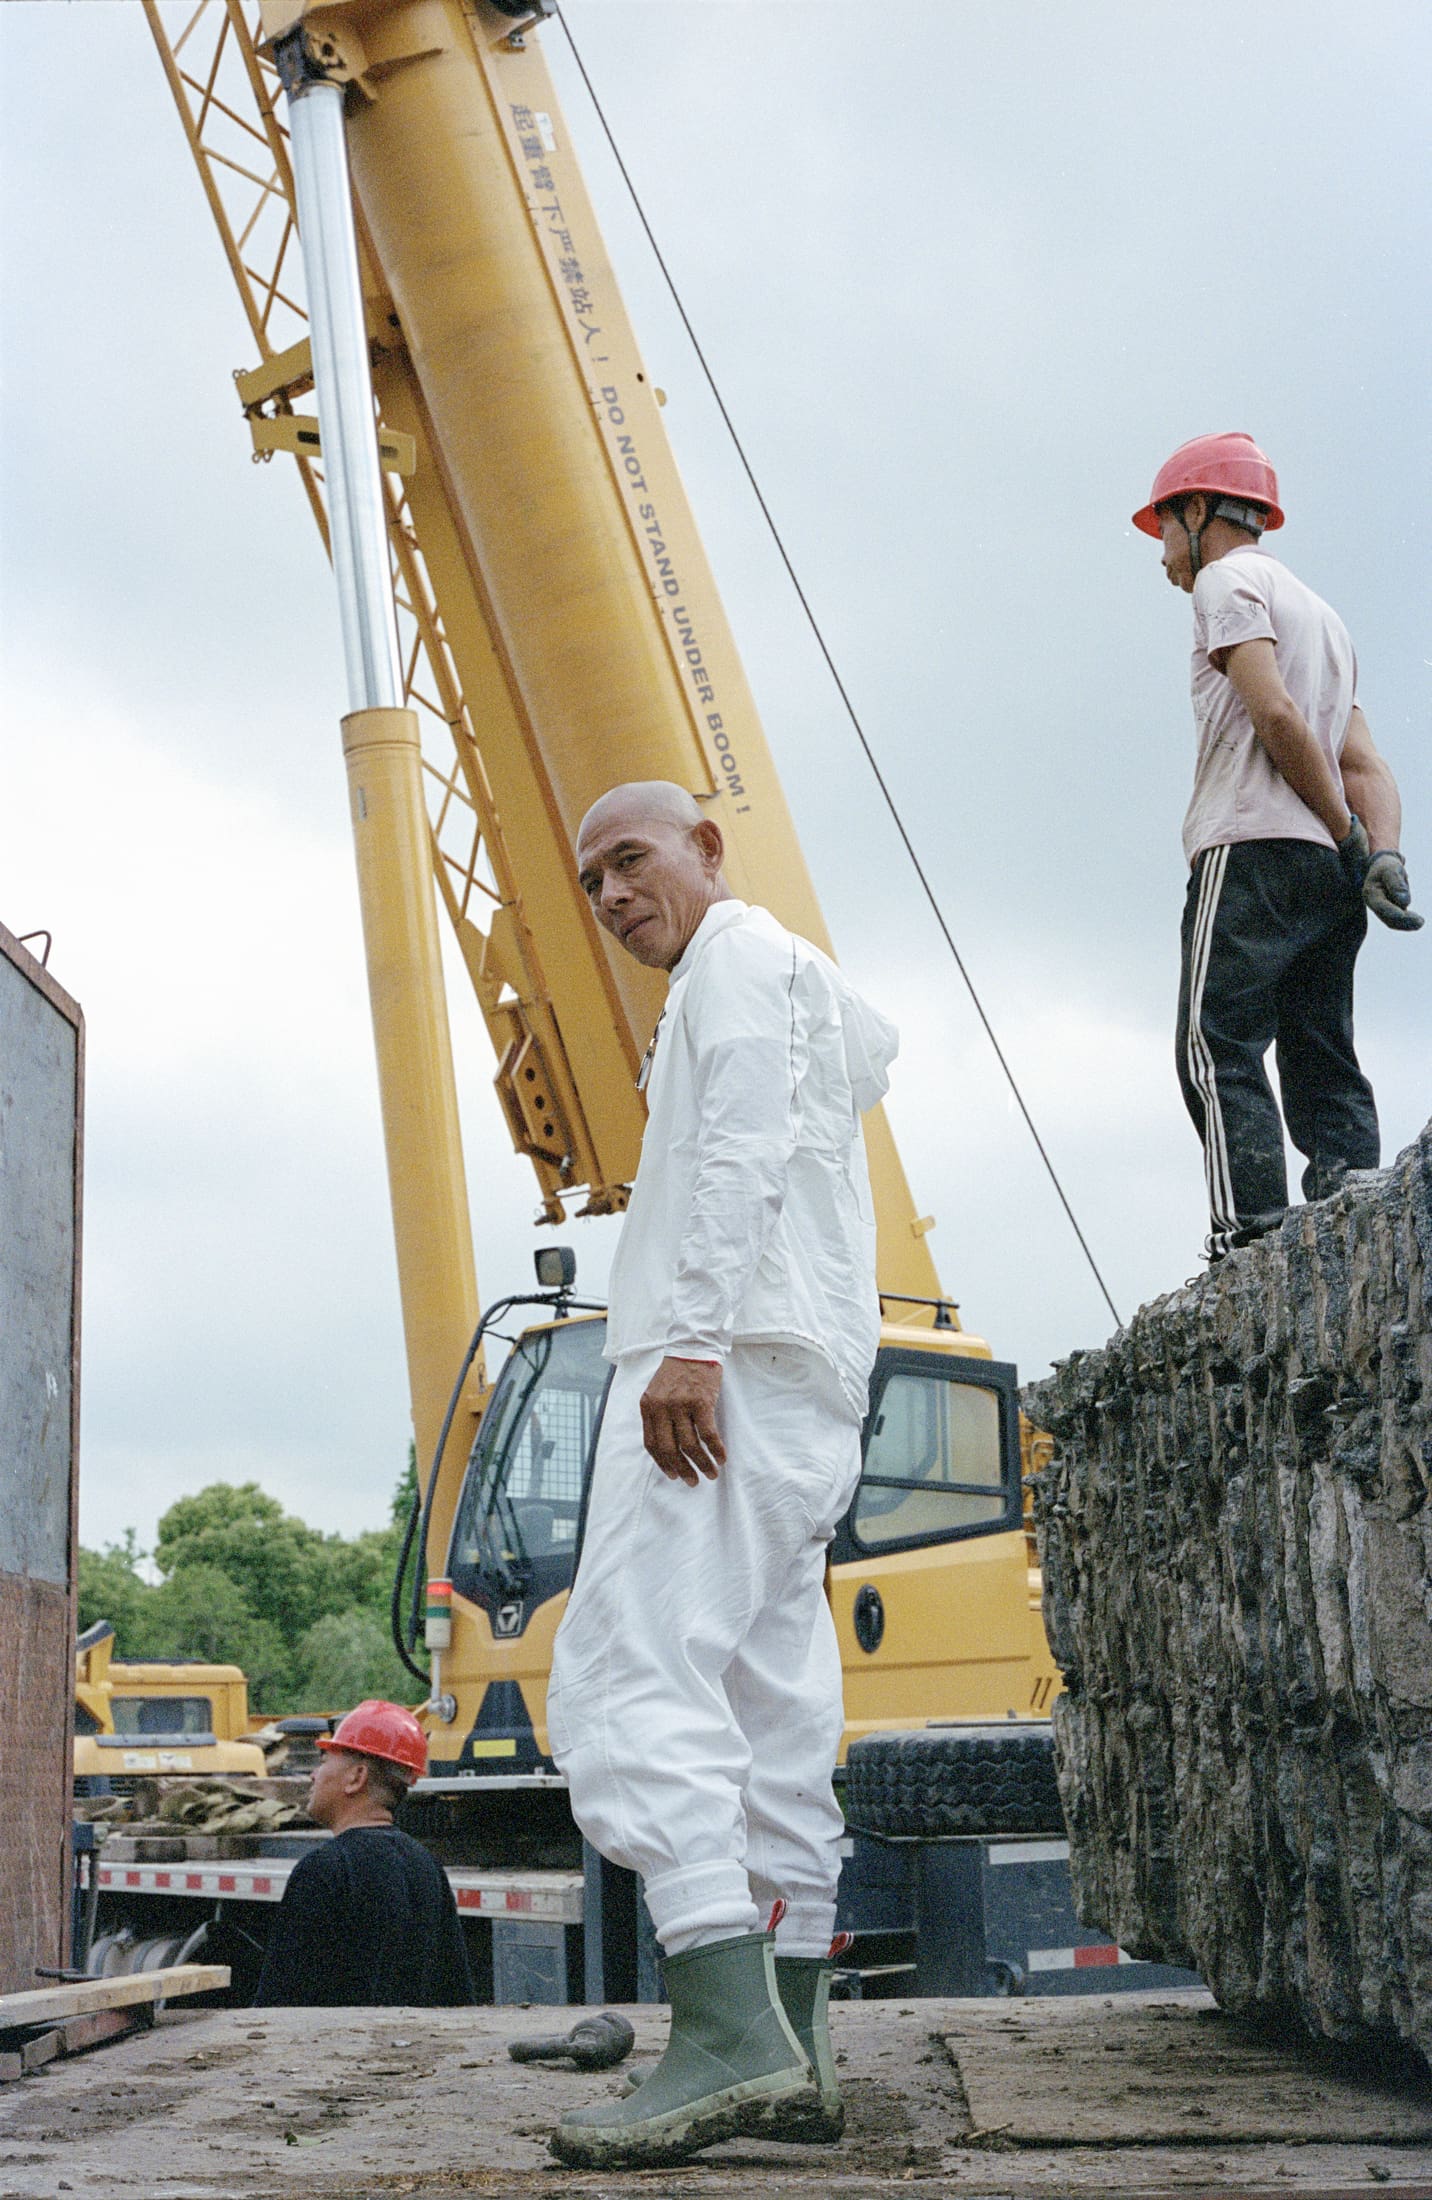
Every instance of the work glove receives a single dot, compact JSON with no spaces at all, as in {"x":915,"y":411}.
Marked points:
{"x":1355,"y":852}
{"x":1387,"y":893}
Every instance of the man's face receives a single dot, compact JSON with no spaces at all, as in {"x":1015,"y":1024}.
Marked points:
{"x":330,"y":1785}
{"x":649,"y":883}
{"x":1177,"y":562}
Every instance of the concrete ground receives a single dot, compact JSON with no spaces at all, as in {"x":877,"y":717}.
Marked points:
{"x":1123,"y":2095}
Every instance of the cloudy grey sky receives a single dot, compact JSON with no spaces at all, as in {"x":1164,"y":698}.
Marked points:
{"x":965,"y":275}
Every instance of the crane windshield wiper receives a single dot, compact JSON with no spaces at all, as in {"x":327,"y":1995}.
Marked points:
{"x":516,"y":1525}
{"x":496,"y":1531}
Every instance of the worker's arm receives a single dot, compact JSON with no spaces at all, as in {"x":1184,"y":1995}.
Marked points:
{"x":1372,"y":795}
{"x":1369,"y":786}
{"x":1252,"y":669}
{"x":745,"y":1027}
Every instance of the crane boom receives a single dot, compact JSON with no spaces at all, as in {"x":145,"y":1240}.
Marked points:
{"x":568,"y":629}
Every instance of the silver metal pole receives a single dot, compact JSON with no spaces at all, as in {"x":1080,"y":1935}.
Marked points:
{"x":357,"y":520}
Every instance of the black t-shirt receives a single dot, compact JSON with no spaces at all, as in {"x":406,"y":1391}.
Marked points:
{"x":367,"y":1920}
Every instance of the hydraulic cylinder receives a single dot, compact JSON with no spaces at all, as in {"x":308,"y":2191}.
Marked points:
{"x":426,"y":1179}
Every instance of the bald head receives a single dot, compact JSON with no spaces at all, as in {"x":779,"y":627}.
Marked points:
{"x":649,"y":861}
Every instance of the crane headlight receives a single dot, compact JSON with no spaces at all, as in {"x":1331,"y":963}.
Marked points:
{"x":556,"y":1267}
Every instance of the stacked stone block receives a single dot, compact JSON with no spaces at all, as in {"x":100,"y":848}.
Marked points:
{"x":1237,"y":1544}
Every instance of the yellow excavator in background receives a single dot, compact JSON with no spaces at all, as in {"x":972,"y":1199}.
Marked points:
{"x":157,"y":1720}
{"x":528,"y":619}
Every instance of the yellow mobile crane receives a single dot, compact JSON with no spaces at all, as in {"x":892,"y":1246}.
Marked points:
{"x":528,"y":618}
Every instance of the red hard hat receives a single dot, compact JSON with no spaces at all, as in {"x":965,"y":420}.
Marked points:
{"x":385,"y":1730}
{"x":1221,"y":466}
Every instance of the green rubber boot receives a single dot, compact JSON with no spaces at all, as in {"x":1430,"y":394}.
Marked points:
{"x":733,"y":2068}
{"x":803,"y":1983}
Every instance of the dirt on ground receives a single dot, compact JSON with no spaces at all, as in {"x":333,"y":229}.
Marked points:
{"x":1124,"y":2095}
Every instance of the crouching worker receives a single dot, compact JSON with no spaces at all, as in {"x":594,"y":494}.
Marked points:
{"x":695,"y":1702}
{"x":368,"y":1919}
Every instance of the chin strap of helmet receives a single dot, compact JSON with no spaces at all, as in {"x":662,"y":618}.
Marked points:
{"x":1195,"y":537}
{"x":1252,"y":518}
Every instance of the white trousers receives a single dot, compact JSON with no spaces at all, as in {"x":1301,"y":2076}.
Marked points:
{"x":695,"y":1701}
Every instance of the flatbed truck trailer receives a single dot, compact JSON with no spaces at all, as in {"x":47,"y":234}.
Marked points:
{"x":974,"y":1914}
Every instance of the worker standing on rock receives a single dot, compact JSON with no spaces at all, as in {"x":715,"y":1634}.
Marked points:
{"x":367,"y":1920}
{"x":695,"y":1702}
{"x":1292,"y":837}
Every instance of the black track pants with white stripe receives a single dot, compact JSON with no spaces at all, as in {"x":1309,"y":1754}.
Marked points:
{"x":1271,"y":931}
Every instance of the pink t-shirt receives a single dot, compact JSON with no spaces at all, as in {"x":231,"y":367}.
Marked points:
{"x":1238,"y":792}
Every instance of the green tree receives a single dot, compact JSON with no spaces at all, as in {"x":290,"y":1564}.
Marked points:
{"x":245,"y":1583}
{"x":347,"y":1656}
{"x":405,"y":1491}
{"x":200,"y":1613}
{"x":276,"y":1560}
{"x":357,"y":1571}
{"x":111,"y":1586}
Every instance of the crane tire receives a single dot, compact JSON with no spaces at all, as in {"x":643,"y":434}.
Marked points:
{"x":948,"y":1780}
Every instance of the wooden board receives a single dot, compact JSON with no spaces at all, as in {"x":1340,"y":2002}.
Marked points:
{"x":1058,"y":2073}
{"x":74,"y":2037}
{"x":52,"y":2004}
{"x":30,"y":2055}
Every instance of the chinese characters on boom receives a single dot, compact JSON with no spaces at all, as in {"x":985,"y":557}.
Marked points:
{"x":536,"y":140}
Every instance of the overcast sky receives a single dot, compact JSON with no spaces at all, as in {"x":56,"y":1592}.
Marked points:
{"x":965,"y":275}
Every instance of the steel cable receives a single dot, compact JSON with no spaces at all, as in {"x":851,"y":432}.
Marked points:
{"x":851,"y":712}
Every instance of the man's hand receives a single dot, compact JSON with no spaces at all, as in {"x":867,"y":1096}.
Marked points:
{"x":1355,"y":853}
{"x":678,"y":1420}
{"x":1387,"y":893}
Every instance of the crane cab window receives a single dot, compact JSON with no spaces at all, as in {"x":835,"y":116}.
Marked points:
{"x":940,"y":1454}
{"x":516,"y":1527}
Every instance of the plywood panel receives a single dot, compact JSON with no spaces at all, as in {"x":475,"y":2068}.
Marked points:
{"x":41,"y":1081}
{"x":38,"y":1046}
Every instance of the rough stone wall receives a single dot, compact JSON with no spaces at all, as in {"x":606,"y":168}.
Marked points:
{"x":1237,"y":1548}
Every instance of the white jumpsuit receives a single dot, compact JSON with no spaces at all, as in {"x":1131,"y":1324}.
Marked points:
{"x":695,"y":1702}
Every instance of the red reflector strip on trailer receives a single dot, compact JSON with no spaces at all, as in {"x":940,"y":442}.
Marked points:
{"x":252,"y":1886}
{"x":1077,"y":1959}
{"x":553,"y":1897}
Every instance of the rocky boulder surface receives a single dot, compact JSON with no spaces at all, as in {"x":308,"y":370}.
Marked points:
{"x":1237,"y":1546}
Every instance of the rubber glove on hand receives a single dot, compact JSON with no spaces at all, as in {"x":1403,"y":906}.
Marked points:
{"x":1387,"y":893}
{"x":1355,"y":852}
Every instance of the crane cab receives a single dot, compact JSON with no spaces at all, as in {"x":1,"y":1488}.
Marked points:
{"x":930,"y":1582}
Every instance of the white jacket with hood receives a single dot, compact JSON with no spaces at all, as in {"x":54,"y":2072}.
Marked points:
{"x":751,"y":1218}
